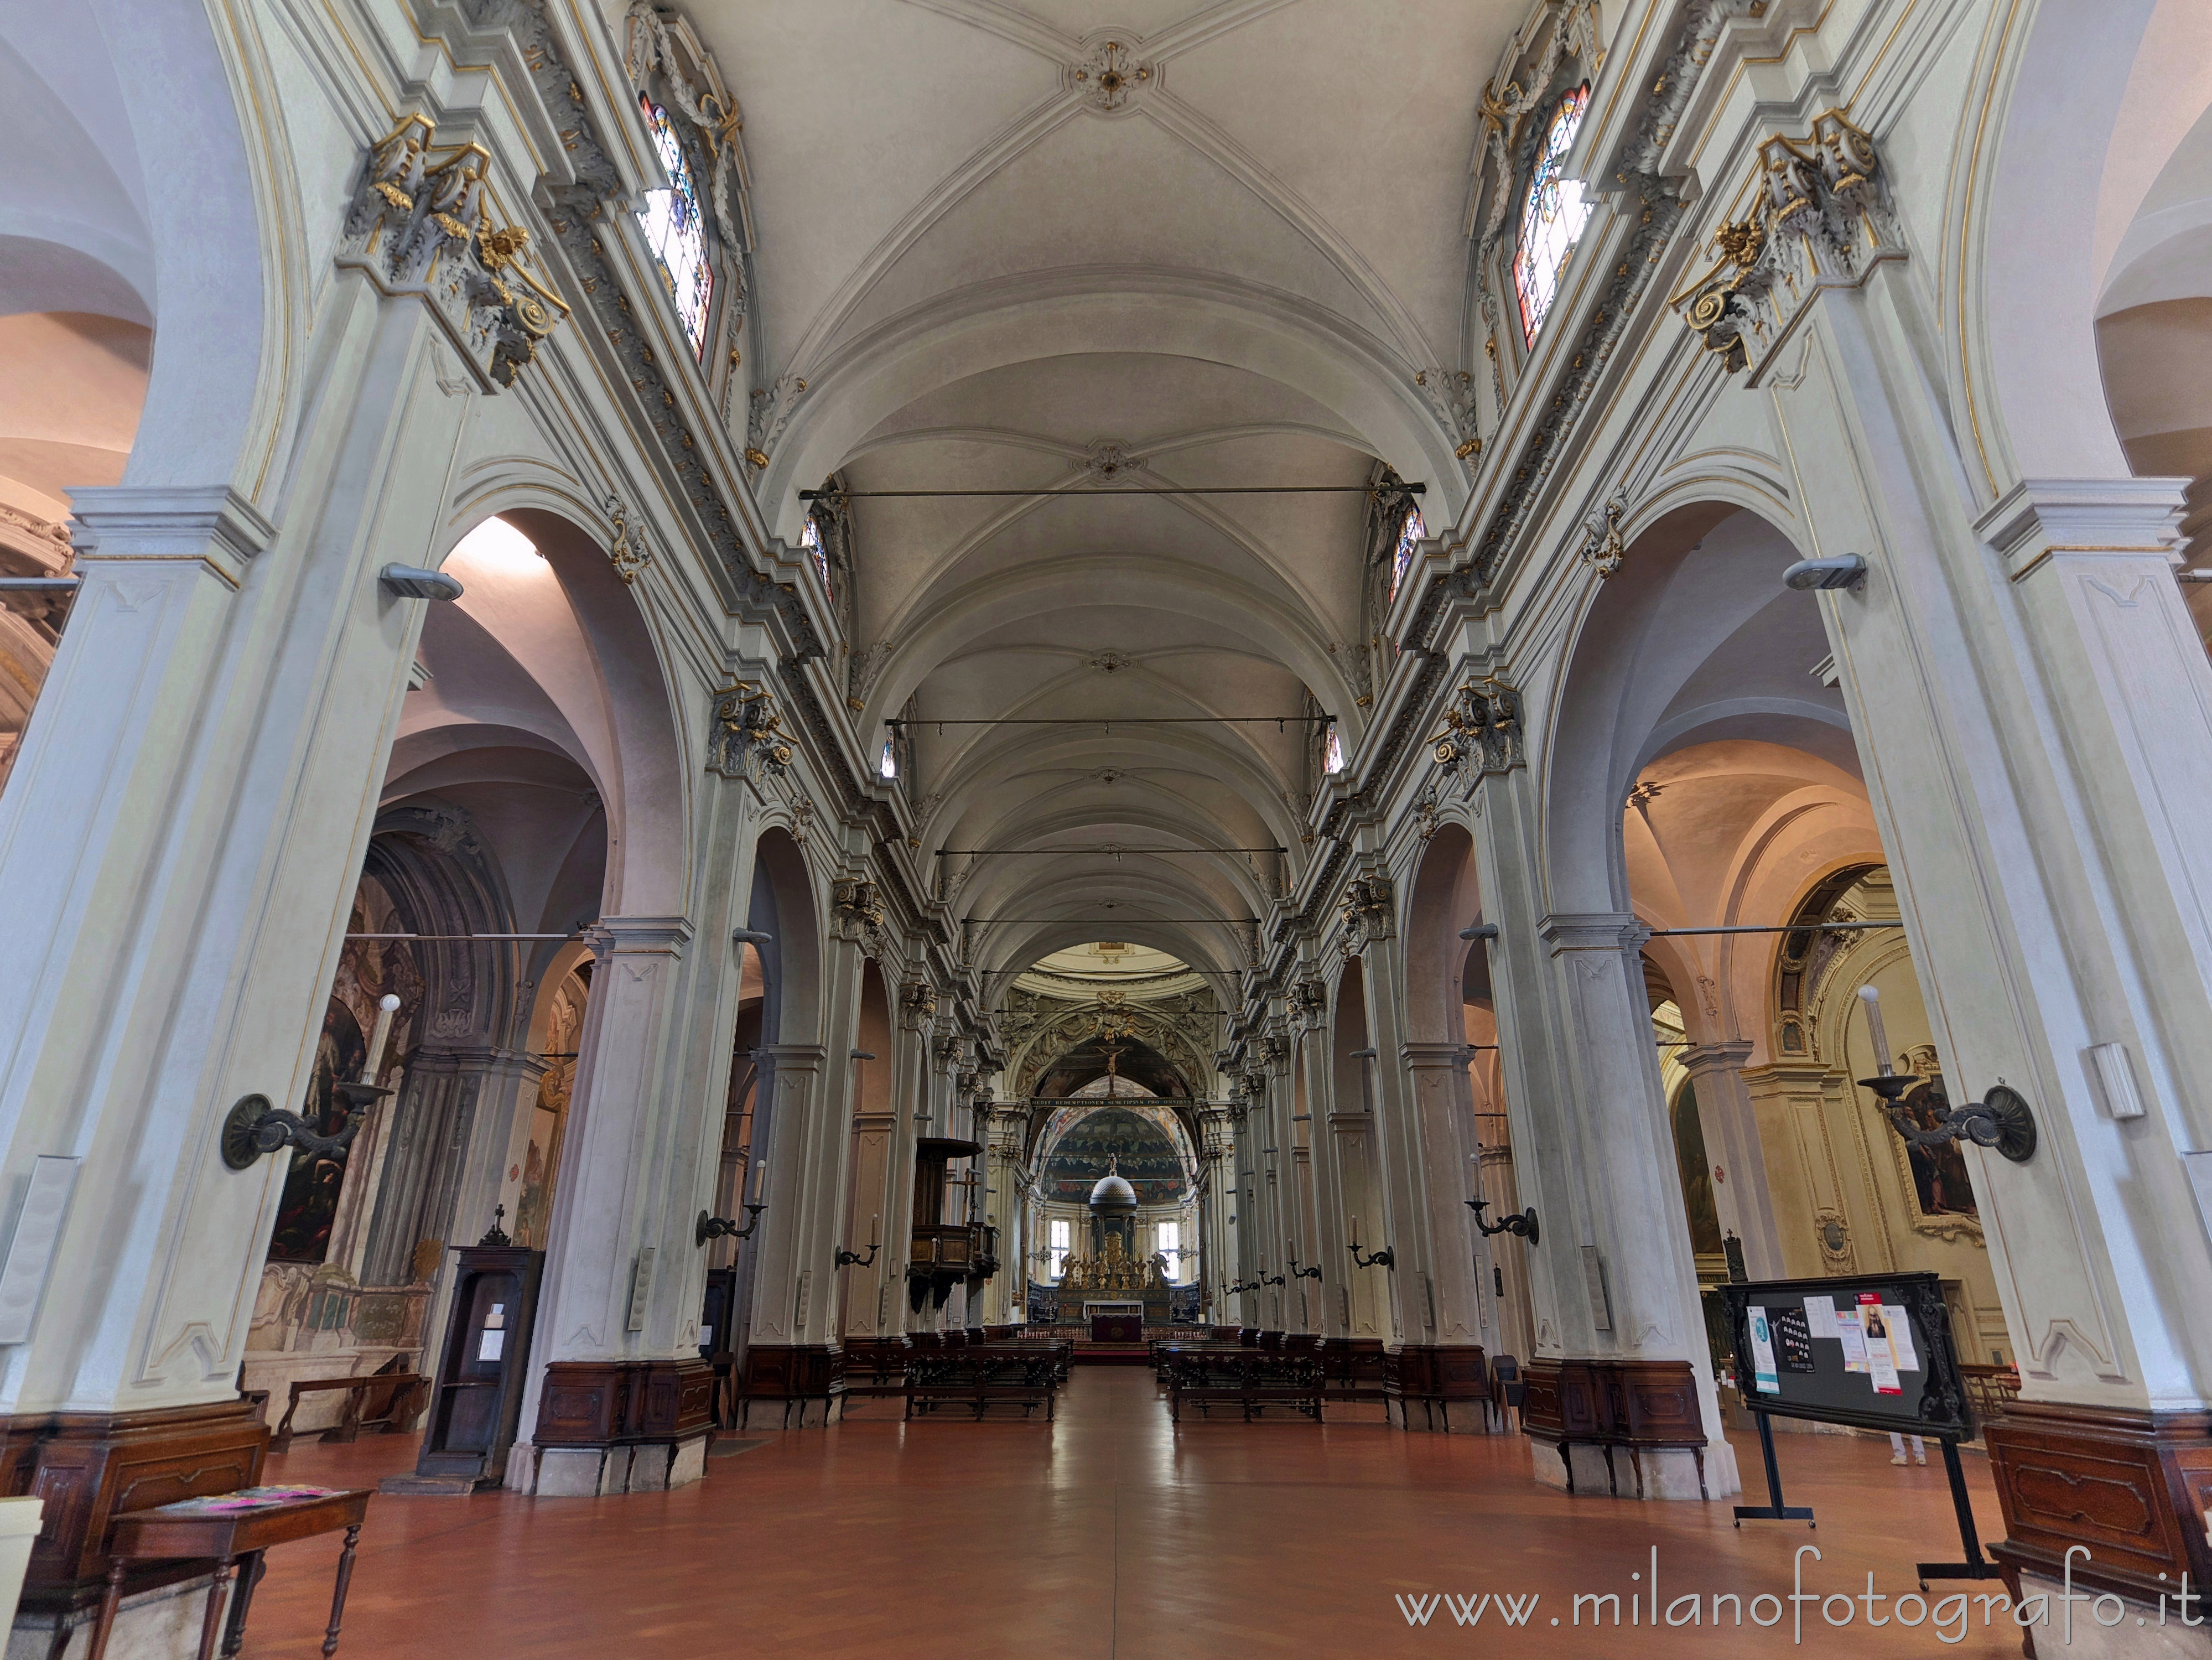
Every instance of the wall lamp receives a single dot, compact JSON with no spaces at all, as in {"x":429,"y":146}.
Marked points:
{"x":2001,"y":1119}
{"x":751,"y":937}
{"x":255,"y":1128}
{"x":711,"y":1226}
{"x":1385,"y":1258}
{"x":1523,"y":1226}
{"x":1479,"y":930}
{"x":853,"y":1259}
{"x":1298,"y":1273}
{"x":1840,"y":572}
{"x":413,"y":582}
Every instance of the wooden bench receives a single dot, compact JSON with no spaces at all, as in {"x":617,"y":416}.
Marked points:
{"x":1218,"y":1374}
{"x":980,"y":1376}
{"x":393,"y":1412}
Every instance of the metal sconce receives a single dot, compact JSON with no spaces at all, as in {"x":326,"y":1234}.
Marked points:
{"x":255,"y":1128}
{"x":853,"y":1259}
{"x":1522,"y":1226}
{"x":1385,"y":1258}
{"x":711,"y":1226}
{"x":2000,"y":1120}
{"x":721,"y":1227}
{"x":1298,"y":1273}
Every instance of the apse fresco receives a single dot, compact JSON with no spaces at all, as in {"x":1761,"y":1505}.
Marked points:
{"x":1141,"y":1149}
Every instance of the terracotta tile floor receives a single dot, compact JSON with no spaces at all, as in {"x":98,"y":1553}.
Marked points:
{"x":1107,"y":1534}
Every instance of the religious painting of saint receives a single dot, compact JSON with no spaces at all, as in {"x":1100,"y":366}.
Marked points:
{"x":310,"y":1200}
{"x":1939,"y":1181}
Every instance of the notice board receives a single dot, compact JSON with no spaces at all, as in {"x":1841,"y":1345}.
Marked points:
{"x":1873,"y":1351}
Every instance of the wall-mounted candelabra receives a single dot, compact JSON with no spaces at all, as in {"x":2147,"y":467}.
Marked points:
{"x":256,"y":1127}
{"x":853,"y":1259}
{"x":1385,"y":1258}
{"x":711,"y":1226}
{"x":1298,"y":1273}
{"x":2000,"y":1120}
{"x":1523,"y":1226}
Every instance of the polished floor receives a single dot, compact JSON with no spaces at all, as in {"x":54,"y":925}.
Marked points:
{"x":1113,"y":1533}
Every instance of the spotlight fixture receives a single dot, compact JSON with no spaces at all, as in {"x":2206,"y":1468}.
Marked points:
{"x":1840,"y":572}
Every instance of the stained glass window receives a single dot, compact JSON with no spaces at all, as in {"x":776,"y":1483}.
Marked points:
{"x":676,"y":231}
{"x":1551,"y":218}
{"x":887,"y":763}
{"x":811,"y":539}
{"x":1332,"y":753}
{"x":1409,"y":537}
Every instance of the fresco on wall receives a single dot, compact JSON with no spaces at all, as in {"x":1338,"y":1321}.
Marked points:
{"x":310,"y":1200}
{"x":533,"y":1210}
{"x":1141,"y":1149}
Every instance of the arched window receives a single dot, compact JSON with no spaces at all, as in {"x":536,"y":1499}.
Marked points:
{"x":887,"y":763}
{"x":1552,"y":216}
{"x":1409,"y":537}
{"x":1332,"y":750}
{"x":811,"y":539}
{"x":675,"y":231}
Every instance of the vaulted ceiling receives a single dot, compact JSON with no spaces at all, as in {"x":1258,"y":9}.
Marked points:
{"x":1035,"y":247}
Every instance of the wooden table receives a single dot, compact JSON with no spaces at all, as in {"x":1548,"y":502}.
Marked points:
{"x":191,"y":1529}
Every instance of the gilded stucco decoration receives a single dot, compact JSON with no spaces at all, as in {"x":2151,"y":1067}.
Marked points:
{"x":1602,"y":547}
{"x":747,"y":741}
{"x":424,"y":222}
{"x":1365,"y":914}
{"x":1110,"y":77}
{"x":856,"y":906}
{"x":626,"y":548}
{"x":1820,"y":218}
{"x":1483,"y":732}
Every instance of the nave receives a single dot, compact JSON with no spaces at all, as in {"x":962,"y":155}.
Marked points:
{"x":744,"y":721}
{"x":1106,"y":1536}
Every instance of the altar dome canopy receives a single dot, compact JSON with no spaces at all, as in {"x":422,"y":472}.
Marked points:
{"x":1114,"y":1141}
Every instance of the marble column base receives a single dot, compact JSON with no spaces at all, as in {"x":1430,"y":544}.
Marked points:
{"x":602,"y":1472}
{"x":161,"y":1623}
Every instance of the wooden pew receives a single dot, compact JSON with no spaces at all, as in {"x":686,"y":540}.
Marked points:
{"x":386,"y":1401}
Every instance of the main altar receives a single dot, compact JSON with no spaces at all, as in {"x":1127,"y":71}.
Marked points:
{"x":1112,"y":1280}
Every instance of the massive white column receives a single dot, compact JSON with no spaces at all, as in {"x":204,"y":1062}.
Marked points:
{"x":1612,"y":1281}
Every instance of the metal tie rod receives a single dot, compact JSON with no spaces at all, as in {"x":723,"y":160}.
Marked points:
{"x":1112,"y":922}
{"x":1106,"y":719}
{"x":464,"y":936}
{"x":1116,"y":490}
{"x":1783,"y":927}
{"x":1053,"y":853}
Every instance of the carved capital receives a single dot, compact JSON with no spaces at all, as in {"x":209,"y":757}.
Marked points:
{"x":856,"y":906}
{"x":1821,"y":220}
{"x":1482,"y":727}
{"x":747,"y":741}
{"x":919,"y":1000}
{"x":421,"y":224}
{"x":1366,"y":914}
